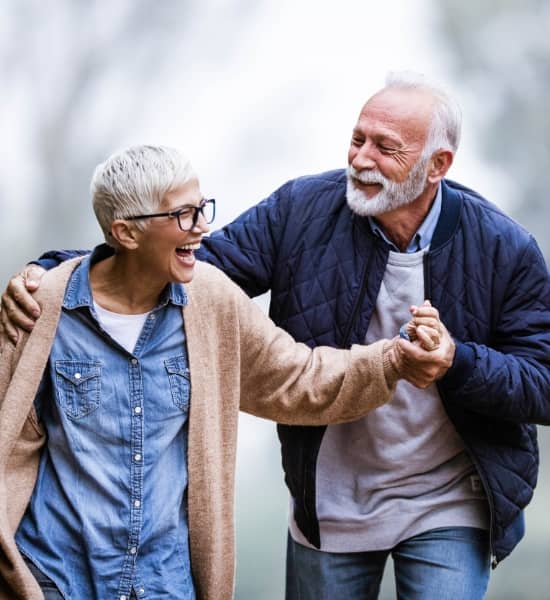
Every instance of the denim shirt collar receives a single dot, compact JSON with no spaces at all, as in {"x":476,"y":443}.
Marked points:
{"x":424,"y":233}
{"x":79,"y":293}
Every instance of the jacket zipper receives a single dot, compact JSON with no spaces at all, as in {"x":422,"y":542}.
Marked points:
{"x":357,"y":307}
{"x":473,"y":458}
{"x":494,"y":560}
{"x":347,"y":337}
{"x":345,"y":344}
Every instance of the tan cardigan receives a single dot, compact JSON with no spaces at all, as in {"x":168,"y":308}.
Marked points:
{"x":238,"y":360}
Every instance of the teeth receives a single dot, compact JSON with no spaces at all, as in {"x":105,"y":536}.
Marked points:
{"x":190,"y":246}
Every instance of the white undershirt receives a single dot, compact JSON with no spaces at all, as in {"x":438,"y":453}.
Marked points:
{"x":125,"y":329}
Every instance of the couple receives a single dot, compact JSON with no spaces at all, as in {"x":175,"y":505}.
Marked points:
{"x":437,"y":478}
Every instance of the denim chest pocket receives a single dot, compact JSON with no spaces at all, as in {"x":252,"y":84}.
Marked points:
{"x":180,"y":381}
{"x":78,"y":386}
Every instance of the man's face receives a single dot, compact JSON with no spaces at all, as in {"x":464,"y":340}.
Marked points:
{"x":386,"y":165}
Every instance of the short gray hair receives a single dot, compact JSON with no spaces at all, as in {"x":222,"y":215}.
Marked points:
{"x":447,"y":116}
{"x":135,"y":181}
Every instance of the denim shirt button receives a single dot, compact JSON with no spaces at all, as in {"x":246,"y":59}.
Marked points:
{"x":137,"y":457}
{"x":137,"y":410}
{"x":134,"y":361}
{"x":133,"y":550}
{"x":77,"y":375}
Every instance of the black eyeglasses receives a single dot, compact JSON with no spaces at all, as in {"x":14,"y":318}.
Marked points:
{"x":187,"y":216}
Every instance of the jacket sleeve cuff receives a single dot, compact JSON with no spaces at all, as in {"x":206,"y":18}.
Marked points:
{"x":462,"y":367}
{"x":54,"y":258}
{"x":45,"y":263}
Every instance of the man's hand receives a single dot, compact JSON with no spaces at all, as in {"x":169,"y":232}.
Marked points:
{"x":430,"y":355}
{"x":19,"y":309}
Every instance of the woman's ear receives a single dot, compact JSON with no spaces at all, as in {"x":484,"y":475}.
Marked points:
{"x":440,"y":163}
{"x":124,"y":234}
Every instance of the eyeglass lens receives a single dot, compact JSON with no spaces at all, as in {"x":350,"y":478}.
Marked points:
{"x":189,"y":217}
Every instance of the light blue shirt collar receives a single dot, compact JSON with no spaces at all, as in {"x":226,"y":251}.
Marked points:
{"x":424,"y":234}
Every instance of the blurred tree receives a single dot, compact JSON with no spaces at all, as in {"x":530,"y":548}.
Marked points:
{"x":81,"y":72}
{"x":500,"y":51}
{"x":79,"y":80}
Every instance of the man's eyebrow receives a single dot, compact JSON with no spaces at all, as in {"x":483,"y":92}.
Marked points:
{"x":383,"y":136}
{"x":378,"y":136}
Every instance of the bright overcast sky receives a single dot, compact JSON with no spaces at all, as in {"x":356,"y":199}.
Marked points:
{"x":258,"y":95}
{"x":285,"y":92}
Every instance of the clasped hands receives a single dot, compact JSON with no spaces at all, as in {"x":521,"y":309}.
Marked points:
{"x":428,"y":353}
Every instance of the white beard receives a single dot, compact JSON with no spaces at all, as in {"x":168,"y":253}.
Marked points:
{"x":391,"y":196}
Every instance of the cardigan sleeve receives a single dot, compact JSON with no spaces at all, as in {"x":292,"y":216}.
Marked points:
{"x":290,"y":383}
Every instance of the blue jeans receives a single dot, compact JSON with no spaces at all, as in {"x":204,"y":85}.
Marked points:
{"x":435,"y":565}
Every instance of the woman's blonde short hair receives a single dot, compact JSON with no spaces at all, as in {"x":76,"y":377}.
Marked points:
{"x":135,"y":181}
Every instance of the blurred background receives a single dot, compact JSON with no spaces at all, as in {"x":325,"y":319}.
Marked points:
{"x":257,"y":93}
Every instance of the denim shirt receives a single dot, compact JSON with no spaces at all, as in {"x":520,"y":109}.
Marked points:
{"x":109,"y":509}
{"x":424,"y":234}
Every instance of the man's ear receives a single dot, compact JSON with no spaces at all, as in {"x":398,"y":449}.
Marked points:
{"x":440,"y":163}
{"x":124,"y":234}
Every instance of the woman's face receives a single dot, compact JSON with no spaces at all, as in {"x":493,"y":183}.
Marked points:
{"x":166,"y":252}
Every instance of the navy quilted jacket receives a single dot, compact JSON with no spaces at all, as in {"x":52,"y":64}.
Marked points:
{"x":483,"y":272}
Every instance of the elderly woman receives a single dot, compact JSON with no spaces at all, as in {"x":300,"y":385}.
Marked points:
{"x":118,"y":413}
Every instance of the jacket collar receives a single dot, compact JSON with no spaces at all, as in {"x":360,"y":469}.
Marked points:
{"x":451,"y":207}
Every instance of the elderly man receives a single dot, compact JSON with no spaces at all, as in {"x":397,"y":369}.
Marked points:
{"x":439,"y":478}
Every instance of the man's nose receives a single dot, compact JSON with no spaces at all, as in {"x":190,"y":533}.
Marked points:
{"x":363,"y":158}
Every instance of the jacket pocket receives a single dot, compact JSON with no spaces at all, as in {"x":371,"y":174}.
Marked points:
{"x":78,"y":386}
{"x":180,"y":381}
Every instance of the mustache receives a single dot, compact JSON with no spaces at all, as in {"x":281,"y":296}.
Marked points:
{"x":367,"y":176}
